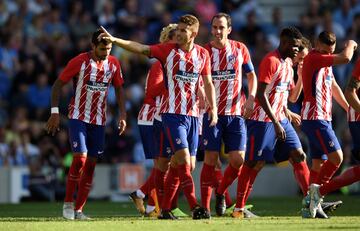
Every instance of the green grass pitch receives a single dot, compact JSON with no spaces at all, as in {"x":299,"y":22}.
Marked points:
{"x":276,"y":214}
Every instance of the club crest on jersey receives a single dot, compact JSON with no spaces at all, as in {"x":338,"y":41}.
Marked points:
{"x":168,"y":150}
{"x":328,"y":80}
{"x":75,"y":144}
{"x":107,"y":76}
{"x":231,"y":59}
{"x":178,"y":140}
{"x":331,"y":144}
{"x":205,"y":142}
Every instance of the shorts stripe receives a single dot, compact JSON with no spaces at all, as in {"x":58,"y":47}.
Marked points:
{"x":252,"y":142}
{"x":170,"y":140}
{"x":161,"y":144}
{"x":318,"y":134}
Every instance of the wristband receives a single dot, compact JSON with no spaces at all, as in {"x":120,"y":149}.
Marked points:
{"x":54,"y":110}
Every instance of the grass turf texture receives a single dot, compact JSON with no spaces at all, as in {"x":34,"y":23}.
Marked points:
{"x":276,"y":214}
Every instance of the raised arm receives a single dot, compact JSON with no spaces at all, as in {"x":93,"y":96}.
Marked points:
{"x":126,"y":44}
{"x":346,"y":55}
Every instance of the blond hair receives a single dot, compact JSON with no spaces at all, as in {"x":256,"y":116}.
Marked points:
{"x":167,"y":32}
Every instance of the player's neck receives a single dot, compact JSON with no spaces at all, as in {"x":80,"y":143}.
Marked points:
{"x":187,"y":46}
{"x":282,"y":53}
{"x":95,"y":58}
{"x":219,"y":44}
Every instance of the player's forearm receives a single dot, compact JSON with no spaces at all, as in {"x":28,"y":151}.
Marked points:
{"x":132,"y":46}
{"x":295,"y":92}
{"x":346,"y":55}
{"x":55,"y":92}
{"x":252,"y":82}
{"x":264,"y":102}
{"x":339,"y":97}
{"x":210,"y":95}
{"x":352,"y":98}
{"x":120,"y":98}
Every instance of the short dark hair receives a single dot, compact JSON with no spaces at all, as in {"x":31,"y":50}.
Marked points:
{"x":219,"y":15}
{"x":327,"y":37}
{"x":305,"y":43}
{"x":95,"y":36}
{"x":189,"y":20}
{"x":291,"y":32}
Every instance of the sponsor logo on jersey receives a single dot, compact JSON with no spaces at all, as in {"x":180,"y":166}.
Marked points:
{"x":223,"y":75}
{"x":188,"y":77}
{"x":282,"y":86}
{"x":96,"y":86}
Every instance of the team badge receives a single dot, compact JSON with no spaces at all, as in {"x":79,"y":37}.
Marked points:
{"x":331,"y":144}
{"x":75,"y":144}
{"x":178,"y":140}
{"x":168,"y":150}
{"x":259,"y":153}
{"x":206,"y":142}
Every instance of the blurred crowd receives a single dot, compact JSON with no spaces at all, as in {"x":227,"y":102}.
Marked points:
{"x":38,"y":37}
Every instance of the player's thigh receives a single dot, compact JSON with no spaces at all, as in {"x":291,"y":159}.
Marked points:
{"x":212,"y":136}
{"x":95,"y":140}
{"x":176,"y":129}
{"x":261,"y":141}
{"x":161,"y":144}
{"x":77,"y":136}
{"x":148,"y":140}
{"x":193,"y":135}
{"x":234,"y":134}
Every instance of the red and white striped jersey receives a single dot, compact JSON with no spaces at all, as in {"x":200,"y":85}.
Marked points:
{"x":317,"y":79}
{"x":182,"y":73}
{"x":354,"y":116}
{"x":226,"y":67}
{"x":154,"y":88}
{"x":91,"y":83}
{"x":279,"y":75}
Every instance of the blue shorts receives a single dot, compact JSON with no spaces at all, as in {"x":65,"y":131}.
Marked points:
{"x":229,"y":129}
{"x":148,"y":140}
{"x":86,"y":138}
{"x":322,"y":138}
{"x":161,"y":144}
{"x":262,"y":140}
{"x":355,"y":134}
{"x":182,"y":131}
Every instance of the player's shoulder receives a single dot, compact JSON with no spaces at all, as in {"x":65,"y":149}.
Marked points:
{"x":85,"y":56}
{"x":272,"y":57}
{"x":113,"y":59}
{"x":237,"y":44}
{"x":201,"y":49}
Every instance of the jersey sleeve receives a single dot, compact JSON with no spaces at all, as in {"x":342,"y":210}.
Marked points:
{"x":247,"y":65}
{"x":118,"y":79}
{"x":356,"y":72}
{"x":267,"y":69}
{"x":207,"y":67}
{"x":71,"y":69}
{"x":155,"y":81}
{"x":160,"y":51}
{"x":319,"y":60}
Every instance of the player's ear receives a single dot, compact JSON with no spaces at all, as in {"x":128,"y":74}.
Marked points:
{"x":229,"y":30}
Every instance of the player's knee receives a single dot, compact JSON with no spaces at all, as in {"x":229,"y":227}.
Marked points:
{"x":336,"y":157}
{"x":297,"y":156}
{"x":211,"y":158}
{"x":255,"y":164}
{"x":356,"y":154}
